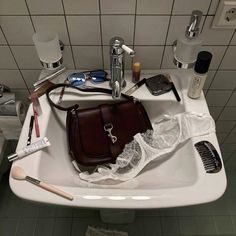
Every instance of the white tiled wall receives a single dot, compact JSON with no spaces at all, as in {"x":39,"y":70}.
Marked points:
{"x":150,"y":26}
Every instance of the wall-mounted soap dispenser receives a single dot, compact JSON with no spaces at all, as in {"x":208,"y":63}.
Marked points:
{"x":187,"y":46}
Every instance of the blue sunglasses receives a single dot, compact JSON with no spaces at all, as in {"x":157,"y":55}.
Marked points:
{"x":79,"y":79}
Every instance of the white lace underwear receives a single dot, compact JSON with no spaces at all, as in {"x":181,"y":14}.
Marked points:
{"x":168,"y":132}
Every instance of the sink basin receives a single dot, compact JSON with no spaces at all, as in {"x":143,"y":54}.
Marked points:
{"x":176,"y":180}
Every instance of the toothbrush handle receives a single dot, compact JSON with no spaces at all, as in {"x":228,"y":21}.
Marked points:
{"x":55,"y":190}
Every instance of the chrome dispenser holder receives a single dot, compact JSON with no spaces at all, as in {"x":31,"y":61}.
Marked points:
{"x":192,"y":31}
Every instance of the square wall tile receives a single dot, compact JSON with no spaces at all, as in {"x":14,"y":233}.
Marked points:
{"x":12,"y":78}
{"x":217,"y":98}
{"x":178,"y":25}
{"x":26,"y":227}
{"x":215,"y":36}
{"x":2,"y":38}
{"x":62,"y":226}
{"x":206,"y":225}
{"x":154,"y":6}
{"x":221,"y":137}
{"x":117,"y":7}
{"x":81,"y":6}
{"x":226,"y":156}
{"x":215,"y":112}
{"x":106,"y":59}
{"x":217,"y":52}
{"x":45,"y":7}
{"x":63,"y":212}
{"x":8,"y":226}
{"x":224,"y":225}
{"x":188,"y":226}
{"x":213,"y":8}
{"x":224,"y":126}
{"x":230,"y":165}
{"x":148,"y":30}
{"x":228,"y":62}
{"x":183,"y":7}
{"x":17,"y":29}
{"x":84,"y":30}
{"x":44,"y":226}
{"x":210,"y":77}
{"x":229,"y":113}
{"x":232,"y":100}
{"x":54,"y":23}
{"x":88,"y":57}
{"x":150,"y":225}
{"x":149,"y":56}
{"x":30,"y":77}
{"x":231,"y":138}
{"x":170,"y":226}
{"x":167,"y":62}
{"x":6,"y":59}
{"x":26,"y":57}
{"x":122,"y":26}
{"x":233,"y":42}
{"x":224,"y":80}
{"x":18,"y":9}
{"x":68,"y":58}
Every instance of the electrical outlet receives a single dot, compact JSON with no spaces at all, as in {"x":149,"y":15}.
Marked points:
{"x":225,"y":15}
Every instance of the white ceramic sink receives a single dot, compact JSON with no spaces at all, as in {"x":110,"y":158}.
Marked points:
{"x":177,"y":180}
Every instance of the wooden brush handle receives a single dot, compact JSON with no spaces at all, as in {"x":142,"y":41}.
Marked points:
{"x":55,"y":190}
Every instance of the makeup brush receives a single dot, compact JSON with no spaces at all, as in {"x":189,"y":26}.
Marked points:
{"x":19,"y":174}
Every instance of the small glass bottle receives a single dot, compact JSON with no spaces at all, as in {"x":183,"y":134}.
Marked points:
{"x":199,"y":74}
{"x":136,"y":70}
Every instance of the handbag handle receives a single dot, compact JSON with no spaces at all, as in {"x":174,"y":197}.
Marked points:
{"x":76,"y":106}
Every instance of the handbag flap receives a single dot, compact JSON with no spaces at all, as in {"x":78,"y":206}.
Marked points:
{"x":91,"y":144}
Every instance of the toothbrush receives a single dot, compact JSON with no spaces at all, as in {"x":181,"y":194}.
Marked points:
{"x":19,"y":174}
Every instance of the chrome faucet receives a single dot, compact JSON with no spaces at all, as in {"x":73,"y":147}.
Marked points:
{"x":117,"y":49}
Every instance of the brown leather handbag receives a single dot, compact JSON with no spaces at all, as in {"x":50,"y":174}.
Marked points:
{"x":98,"y":135}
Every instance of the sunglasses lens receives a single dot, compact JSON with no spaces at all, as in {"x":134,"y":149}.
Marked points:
{"x":76,"y":79}
{"x":98,"y":76}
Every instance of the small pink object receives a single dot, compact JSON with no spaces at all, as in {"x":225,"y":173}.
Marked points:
{"x":35,"y":100}
{"x":36,"y":123}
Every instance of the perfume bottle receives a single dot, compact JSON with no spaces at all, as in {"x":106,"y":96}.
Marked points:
{"x":199,"y":74}
{"x":188,"y":45}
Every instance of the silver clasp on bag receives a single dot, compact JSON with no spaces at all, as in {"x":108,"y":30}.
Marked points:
{"x":108,"y":128}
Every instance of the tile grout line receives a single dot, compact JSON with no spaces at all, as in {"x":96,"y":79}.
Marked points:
{"x":100,"y":24}
{"x":205,"y":18}
{"x":17,"y":226}
{"x":137,"y":45}
{"x":135,"y":22}
{"x":203,"y":45}
{"x":167,"y":33}
{"x":68,"y":34}
{"x":229,"y":133}
{"x":230,"y":157}
{"x":18,"y":68}
{"x":30,"y":15}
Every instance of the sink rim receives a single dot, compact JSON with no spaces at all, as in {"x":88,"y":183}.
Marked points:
{"x":111,"y":199}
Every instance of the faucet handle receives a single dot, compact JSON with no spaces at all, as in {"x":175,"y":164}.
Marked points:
{"x":128,"y":50}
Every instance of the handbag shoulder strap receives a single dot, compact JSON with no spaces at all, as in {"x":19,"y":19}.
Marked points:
{"x":76,"y":106}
